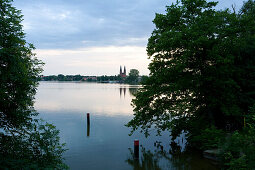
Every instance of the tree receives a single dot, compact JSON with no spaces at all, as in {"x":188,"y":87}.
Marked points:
{"x":35,"y":147}
{"x":133,"y":76}
{"x":18,"y":69}
{"x":202,"y":69}
{"x":144,"y":79}
{"x":61,"y":77}
{"x":24,"y":141}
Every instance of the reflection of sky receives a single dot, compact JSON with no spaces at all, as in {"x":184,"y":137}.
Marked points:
{"x":105,"y":144}
{"x":108,"y":142}
{"x":109,"y":99}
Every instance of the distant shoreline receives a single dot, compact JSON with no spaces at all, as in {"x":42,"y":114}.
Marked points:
{"x":126,"y":79}
{"x":100,"y":82}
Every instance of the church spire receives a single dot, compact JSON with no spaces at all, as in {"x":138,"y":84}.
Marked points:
{"x":125,"y":70}
{"x":120,"y":70}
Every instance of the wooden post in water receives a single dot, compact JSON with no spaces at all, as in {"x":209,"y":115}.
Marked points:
{"x":88,"y":119}
{"x":88,"y":130}
{"x":136,"y":149}
{"x":88,"y":124}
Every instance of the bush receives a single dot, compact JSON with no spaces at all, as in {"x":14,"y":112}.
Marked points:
{"x":210,"y":138}
{"x":36,"y":147}
{"x":238,"y":152}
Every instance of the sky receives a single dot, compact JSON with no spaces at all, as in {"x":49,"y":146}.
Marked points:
{"x":93,"y":37}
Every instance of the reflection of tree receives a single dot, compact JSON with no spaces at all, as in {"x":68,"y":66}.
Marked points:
{"x":191,"y":160}
{"x":175,"y":148}
{"x":148,"y":161}
{"x":132,"y":91}
{"x":173,"y":159}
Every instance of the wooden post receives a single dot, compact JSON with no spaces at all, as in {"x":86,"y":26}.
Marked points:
{"x":88,"y":119}
{"x":136,"y":149}
{"x":88,"y":125}
{"x":88,"y":130}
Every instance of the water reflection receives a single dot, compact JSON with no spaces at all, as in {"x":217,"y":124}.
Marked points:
{"x":105,"y":139}
{"x":85,"y":97}
{"x":148,"y":161}
{"x":132,"y":90}
{"x":124,"y":91}
{"x":88,"y":129}
{"x":160,"y":159}
{"x":175,"y":148}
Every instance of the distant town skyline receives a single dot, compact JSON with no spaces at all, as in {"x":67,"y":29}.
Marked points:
{"x":91,"y":37}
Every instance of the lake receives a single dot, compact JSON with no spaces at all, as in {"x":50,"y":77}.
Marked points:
{"x":106,"y":144}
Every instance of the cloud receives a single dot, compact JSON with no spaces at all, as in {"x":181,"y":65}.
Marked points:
{"x":93,"y":37}
{"x":67,"y":24}
{"x":93,"y":60}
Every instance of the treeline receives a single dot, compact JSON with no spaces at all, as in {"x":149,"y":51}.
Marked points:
{"x":62,"y":77}
{"x":116,"y":78}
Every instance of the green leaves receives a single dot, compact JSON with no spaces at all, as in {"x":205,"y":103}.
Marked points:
{"x":37,"y":146}
{"x":133,"y":76}
{"x":19,"y":69}
{"x":202,"y":68}
{"x":24,"y":141}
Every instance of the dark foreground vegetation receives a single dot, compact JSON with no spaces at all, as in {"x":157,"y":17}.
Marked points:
{"x":202,"y":79}
{"x":25,"y":142}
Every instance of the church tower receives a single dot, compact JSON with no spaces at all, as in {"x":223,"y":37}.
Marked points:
{"x":124,"y":70}
{"x":123,"y":74}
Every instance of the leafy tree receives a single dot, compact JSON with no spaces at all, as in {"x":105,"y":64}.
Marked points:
{"x":77,"y":77}
{"x":24,"y":141}
{"x":202,"y":69}
{"x":143,"y":79}
{"x":19,"y":69}
{"x":61,"y":77}
{"x":133,"y":76}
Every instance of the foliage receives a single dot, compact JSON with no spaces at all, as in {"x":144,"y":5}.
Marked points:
{"x":144,"y":79}
{"x":36,"y":147}
{"x":202,"y":69}
{"x":133,"y":76}
{"x":210,"y":138}
{"x":25,"y":143}
{"x":109,"y":78}
{"x":238,"y":151}
{"x":62,"y":77}
{"x":19,"y":69}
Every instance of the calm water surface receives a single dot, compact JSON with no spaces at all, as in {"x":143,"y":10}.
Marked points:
{"x":105,"y":144}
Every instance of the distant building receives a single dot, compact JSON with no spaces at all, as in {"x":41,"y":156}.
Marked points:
{"x":90,"y":78}
{"x":123,"y":74}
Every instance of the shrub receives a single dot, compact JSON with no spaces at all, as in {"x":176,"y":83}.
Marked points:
{"x":210,"y":138}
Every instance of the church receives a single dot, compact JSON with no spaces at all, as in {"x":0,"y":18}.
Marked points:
{"x":123,"y":74}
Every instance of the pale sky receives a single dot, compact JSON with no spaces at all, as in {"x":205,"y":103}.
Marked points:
{"x":93,"y":37}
